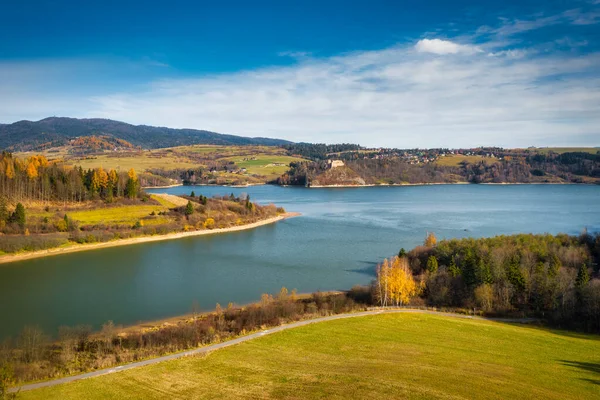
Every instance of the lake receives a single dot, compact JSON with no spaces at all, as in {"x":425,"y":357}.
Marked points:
{"x":336,"y":243}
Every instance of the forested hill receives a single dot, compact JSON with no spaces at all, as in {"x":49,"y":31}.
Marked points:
{"x":55,"y":131}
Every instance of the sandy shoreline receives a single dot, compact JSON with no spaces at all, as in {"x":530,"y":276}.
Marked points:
{"x":143,"y":239}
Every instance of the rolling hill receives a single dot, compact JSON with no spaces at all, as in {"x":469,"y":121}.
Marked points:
{"x":408,"y":356}
{"x":57,"y":131}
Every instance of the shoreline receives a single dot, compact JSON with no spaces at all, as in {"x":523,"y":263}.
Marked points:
{"x":159,"y":323}
{"x":378,"y":184}
{"x":5,"y":259}
{"x":442,"y":183}
{"x":204,"y":184}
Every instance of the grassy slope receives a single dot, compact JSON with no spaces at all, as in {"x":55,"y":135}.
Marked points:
{"x":140,"y":162}
{"x":266,"y":164}
{"x":111,"y":215}
{"x":454,"y":161}
{"x":413,"y":356}
{"x":260,"y":160}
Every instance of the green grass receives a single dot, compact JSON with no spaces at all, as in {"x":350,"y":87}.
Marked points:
{"x":114,"y":215}
{"x":265,"y":164}
{"x":414,"y":356}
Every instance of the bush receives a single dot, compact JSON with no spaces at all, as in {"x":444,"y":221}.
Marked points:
{"x":34,"y":242}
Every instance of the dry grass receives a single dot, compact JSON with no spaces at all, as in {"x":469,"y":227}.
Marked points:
{"x":455,"y":161}
{"x":413,"y":356}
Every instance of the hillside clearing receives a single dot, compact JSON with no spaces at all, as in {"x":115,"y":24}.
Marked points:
{"x":455,"y":161}
{"x":412,"y":356}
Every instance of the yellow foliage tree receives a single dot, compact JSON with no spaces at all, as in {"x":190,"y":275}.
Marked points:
{"x":10,"y":170}
{"x":102,"y":178}
{"x":113,"y":178}
{"x":32,"y":171}
{"x":209,"y":223}
{"x":430,"y":240}
{"x":395,"y":282}
{"x":132,"y":175}
{"x":95,"y":183}
{"x":43,"y":161}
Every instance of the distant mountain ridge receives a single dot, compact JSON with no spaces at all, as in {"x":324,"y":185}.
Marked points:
{"x":57,"y":131}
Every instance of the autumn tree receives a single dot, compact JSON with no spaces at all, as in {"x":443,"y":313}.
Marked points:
{"x":32,"y":171}
{"x":113,"y":181}
{"x":430,"y":240}
{"x":484,"y":296}
{"x":395,"y":282}
{"x":103,"y":180}
{"x":94,"y":182}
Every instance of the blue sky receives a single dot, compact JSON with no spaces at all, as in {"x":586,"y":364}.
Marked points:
{"x":379,"y":73}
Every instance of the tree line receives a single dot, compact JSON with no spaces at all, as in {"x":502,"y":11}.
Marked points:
{"x":552,"y":277}
{"x":576,"y":167}
{"x":37,"y":179}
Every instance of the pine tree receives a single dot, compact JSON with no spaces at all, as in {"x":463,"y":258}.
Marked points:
{"x":132,"y":184}
{"x":432,"y":264}
{"x":453,"y":269}
{"x":19,"y":215}
{"x":189,"y":208}
{"x":583,"y":277}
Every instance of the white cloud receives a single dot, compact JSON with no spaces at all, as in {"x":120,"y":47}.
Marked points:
{"x":438,"y":46}
{"x":401,"y":96}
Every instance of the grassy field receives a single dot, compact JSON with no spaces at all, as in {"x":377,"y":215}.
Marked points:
{"x":454,"y":161}
{"x":140,"y":161}
{"x":114,"y":215}
{"x":269,"y":165}
{"x":560,"y":150}
{"x":413,"y":356}
{"x":258,"y":160}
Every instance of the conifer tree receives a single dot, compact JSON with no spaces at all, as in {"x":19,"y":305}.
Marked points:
{"x":189,"y":208}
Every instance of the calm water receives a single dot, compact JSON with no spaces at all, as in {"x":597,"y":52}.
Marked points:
{"x":335,"y":244}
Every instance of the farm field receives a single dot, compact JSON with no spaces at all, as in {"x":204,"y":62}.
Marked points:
{"x":122,"y":214}
{"x":455,"y":161}
{"x":261,"y":162}
{"x":414,"y":356}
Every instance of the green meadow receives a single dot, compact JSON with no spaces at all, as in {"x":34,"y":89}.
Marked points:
{"x":413,"y":356}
